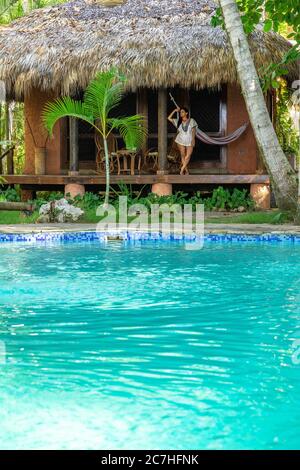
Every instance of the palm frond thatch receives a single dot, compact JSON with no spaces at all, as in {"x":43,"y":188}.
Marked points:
{"x":154,"y":43}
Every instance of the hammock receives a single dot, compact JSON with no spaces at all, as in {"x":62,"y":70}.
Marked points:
{"x":216,"y":140}
{"x":221,"y":140}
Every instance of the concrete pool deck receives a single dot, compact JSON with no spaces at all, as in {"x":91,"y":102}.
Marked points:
{"x":209,"y":228}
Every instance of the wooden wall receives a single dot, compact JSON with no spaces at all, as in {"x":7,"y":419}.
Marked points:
{"x":33,"y":125}
{"x":242,"y":155}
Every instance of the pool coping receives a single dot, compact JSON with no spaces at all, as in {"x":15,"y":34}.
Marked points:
{"x":47,"y":233}
{"x":209,"y":228}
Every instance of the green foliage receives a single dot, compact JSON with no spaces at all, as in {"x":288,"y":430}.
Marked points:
{"x":46,"y":196}
{"x":240,"y":198}
{"x":225,"y":199}
{"x":180,"y":198}
{"x":18,"y":138}
{"x":286,"y":132}
{"x":13,"y":9}
{"x":87,"y":201}
{"x":282,"y":16}
{"x":63,"y":107}
{"x":221,"y":198}
{"x":10,"y":195}
{"x":271,"y":73}
{"x":274,"y":14}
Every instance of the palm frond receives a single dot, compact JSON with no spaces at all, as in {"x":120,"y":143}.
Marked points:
{"x":132,"y":129}
{"x":104,"y":93}
{"x":62,"y":107}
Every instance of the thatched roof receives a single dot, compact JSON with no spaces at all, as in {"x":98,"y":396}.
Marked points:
{"x":155,"y":42}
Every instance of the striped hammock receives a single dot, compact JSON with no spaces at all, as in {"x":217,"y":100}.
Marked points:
{"x":225,"y":140}
{"x":216,"y":140}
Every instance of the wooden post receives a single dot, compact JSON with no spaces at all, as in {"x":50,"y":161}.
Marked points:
{"x":162,"y":130}
{"x":74,"y":189}
{"x":73,"y":134}
{"x":142,"y":108}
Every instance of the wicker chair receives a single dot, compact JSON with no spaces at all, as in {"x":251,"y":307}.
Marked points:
{"x":113,"y":156}
{"x":174,"y":158}
{"x":151,"y":160}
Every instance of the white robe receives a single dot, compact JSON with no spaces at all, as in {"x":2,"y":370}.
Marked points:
{"x":185,"y":137}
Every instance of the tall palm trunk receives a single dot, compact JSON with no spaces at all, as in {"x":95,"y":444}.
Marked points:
{"x":107,"y":172}
{"x":281,"y":173}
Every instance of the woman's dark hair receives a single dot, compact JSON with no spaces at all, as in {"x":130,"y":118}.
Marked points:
{"x":180,"y":119}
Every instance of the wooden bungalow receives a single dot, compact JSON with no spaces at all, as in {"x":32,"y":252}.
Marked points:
{"x":161,"y":46}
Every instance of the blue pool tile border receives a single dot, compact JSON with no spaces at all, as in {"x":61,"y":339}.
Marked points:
{"x":62,"y":237}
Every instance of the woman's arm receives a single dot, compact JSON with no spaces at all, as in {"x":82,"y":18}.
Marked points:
{"x":194,"y":136}
{"x":170,"y":117}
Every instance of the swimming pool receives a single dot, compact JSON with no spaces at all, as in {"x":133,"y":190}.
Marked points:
{"x":150,"y":345}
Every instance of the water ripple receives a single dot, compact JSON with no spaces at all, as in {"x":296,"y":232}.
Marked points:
{"x":149,"y":347}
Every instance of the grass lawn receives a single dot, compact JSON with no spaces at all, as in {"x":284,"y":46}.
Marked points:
{"x":17,"y":217}
{"x":267,"y":217}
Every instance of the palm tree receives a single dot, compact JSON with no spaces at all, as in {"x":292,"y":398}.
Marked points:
{"x":102,"y":95}
{"x":283,"y":177}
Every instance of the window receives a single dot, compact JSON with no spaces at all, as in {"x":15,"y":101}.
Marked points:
{"x":206,"y":108}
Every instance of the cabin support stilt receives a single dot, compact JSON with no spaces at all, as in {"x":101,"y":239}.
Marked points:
{"x":261,"y":194}
{"x":162,"y":189}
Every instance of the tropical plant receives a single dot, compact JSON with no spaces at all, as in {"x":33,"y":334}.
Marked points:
{"x":285,"y":128}
{"x":284,"y":179}
{"x":102,"y":95}
{"x":13,"y":9}
{"x":10,"y":195}
{"x":281,"y":16}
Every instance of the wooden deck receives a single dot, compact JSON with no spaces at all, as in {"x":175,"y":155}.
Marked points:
{"x":61,"y":180}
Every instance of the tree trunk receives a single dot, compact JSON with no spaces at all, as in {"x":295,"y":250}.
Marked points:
{"x":9,"y":131}
{"x":281,"y":173}
{"x":16,"y":206}
{"x":107,"y":172}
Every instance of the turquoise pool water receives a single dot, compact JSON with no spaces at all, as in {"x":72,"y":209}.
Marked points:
{"x":149,"y":346}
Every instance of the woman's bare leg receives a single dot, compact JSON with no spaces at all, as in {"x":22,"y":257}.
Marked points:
{"x":182,"y":150}
{"x":189,"y":152}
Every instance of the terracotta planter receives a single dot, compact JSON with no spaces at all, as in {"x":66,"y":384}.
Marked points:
{"x":40,"y":160}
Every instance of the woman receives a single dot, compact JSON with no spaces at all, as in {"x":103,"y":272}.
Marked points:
{"x":186,"y":134}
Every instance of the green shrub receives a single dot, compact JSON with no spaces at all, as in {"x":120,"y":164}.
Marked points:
{"x":220,"y":199}
{"x":10,"y":195}
{"x":88,"y":200}
{"x":224,"y":199}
